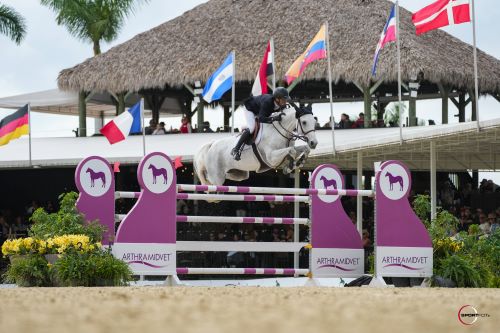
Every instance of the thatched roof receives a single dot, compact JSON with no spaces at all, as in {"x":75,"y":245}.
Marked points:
{"x":190,"y":47}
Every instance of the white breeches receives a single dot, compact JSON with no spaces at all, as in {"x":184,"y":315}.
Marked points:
{"x":249,"y":120}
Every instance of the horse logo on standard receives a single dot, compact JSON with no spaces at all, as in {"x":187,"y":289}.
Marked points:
{"x":394,"y":181}
{"x":95,"y":177}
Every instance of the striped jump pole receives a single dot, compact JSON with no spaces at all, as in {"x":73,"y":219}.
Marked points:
{"x":229,"y":219}
{"x":243,"y":271}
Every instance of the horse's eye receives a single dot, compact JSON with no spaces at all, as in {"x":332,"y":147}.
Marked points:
{"x":303,"y":123}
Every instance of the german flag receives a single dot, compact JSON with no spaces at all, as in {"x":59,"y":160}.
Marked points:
{"x":15,"y":125}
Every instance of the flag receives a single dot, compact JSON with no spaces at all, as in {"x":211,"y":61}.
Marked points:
{"x":266,"y":69}
{"x":220,"y":81}
{"x":116,"y":167}
{"x":126,"y":123}
{"x":387,"y":36}
{"x":315,"y":51}
{"x":440,"y":14}
{"x":14,"y":125}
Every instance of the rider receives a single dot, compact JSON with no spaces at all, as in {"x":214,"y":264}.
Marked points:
{"x":261,"y":106}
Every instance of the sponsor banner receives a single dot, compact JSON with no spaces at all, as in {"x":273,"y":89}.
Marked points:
{"x":404,"y":261}
{"x":147,"y":259}
{"x":337,"y":262}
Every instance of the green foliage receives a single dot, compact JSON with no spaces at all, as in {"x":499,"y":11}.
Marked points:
{"x":461,"y":270}
{"x":12,"y":24}
{"x":66,"y":221}
{"x":422,"y":207}
{"x":92,"y":269}
{"x":92,"y":20}
{"x":469,"y":259}
{"x":31,"y":271}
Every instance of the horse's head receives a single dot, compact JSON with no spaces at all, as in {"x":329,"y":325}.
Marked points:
{"x":306,"y":125}
{"x":88,"y":170}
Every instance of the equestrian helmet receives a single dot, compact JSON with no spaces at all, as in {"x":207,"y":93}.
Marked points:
{"x":281,"y":92}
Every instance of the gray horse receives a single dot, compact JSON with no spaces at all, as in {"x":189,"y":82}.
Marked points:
{"x":214,"y":164}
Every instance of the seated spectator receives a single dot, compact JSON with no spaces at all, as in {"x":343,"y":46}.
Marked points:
{"x":317,"y":125}
{"x":148,"y":130}
{"x":344,"y":121}
{"x":484,"y":225}
{"x":328,"y":124}
{"x":160,"y":129}
{"x":492,"y":219}
{"x":185,"y":126}
{"x":206,"y":127}
{"x":360,"y":122}
{"x":495,"y":225}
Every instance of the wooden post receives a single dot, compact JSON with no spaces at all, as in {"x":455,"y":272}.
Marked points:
{"x":474,"y":105}
{"x":227,"y":115}
{"x":412,"y":112}
{"x":368,"y":106}
{"x":121,"y":103}
{"x":82,"y":114}
{"x":461,"y":107}
{"x":445,"y":92}
{"x":201,"y":116}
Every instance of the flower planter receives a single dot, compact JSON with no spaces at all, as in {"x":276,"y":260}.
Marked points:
{"x":52,"y":258}
{"x":15,"y":257}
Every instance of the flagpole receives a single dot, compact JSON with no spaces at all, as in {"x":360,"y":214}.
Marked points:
{"x":29,"y":132}
{"x":330,"y":86}
{"x":274,"y":69}
{"x":476,"y":84}
{"x":399,"y":74}
{"x":233,"y":93}
{"x":143,"y":129}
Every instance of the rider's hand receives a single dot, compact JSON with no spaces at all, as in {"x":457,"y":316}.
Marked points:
{"x":278,"y":116}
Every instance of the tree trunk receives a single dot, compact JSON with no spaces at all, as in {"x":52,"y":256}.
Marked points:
{"x":82,"y":114}
{"x":97,"y":48}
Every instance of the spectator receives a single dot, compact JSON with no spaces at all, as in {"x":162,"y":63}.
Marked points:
{"x":160,"y":129}
{"x":492,"y":220}
{"x":495,"y":225}
{"x":185,"y":126}
{"x":328,"y":125}
{"x":148,"y":130}
{"x":34,"y":206}
{"x":317,"y":126}
{"x":206,"y":127}
{"x":447,"y":195}
{"x":344,"y":121}
{"x":484,"y":225}
{"x":360,"y":122}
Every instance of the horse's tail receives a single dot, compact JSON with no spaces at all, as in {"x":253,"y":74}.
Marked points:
{"x":199,"y":163}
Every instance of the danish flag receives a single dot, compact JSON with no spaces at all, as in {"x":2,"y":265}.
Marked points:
{"x":440,"y":14}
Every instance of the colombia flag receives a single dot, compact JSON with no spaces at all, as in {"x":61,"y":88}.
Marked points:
{"x":15,"y":125}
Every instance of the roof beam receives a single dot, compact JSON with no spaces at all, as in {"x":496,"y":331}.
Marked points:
{"x":375,"y":86}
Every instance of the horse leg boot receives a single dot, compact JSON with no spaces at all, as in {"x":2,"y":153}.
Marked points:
{"x":236,"y":152}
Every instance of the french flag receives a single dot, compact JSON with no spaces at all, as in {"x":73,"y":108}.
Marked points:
{"x":387,"y":36}
{"x":126,"y":123}
{"x":266,"y":69}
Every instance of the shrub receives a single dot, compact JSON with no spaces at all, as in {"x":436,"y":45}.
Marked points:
{"x":32,"y":271}
{"x":64,"y":222}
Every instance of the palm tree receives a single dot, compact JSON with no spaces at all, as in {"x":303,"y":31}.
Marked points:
{"x":92,"y":20}
{"x":12,"y":24}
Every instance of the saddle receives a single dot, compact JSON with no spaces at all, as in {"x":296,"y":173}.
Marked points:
{"x":252,"y":142}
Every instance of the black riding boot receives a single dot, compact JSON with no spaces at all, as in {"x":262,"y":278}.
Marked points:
{"x":236,"y":152}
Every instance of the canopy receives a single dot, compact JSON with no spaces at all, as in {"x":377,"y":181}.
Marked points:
{"x":55,"y":101}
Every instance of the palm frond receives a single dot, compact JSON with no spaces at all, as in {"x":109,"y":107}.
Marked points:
{"x":12,"y":24}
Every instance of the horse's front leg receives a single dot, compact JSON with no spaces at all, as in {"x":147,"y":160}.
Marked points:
{"x":303,"y":154}
{"x":276,"y":157}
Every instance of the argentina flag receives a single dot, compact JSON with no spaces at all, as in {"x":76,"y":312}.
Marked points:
{"x":220,"y":81}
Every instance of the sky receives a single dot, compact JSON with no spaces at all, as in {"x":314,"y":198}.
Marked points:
{"x":48,"y":48}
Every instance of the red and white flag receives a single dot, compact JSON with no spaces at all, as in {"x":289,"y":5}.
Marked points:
{"x":266,"y":69}
{"x":440,"y":14}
